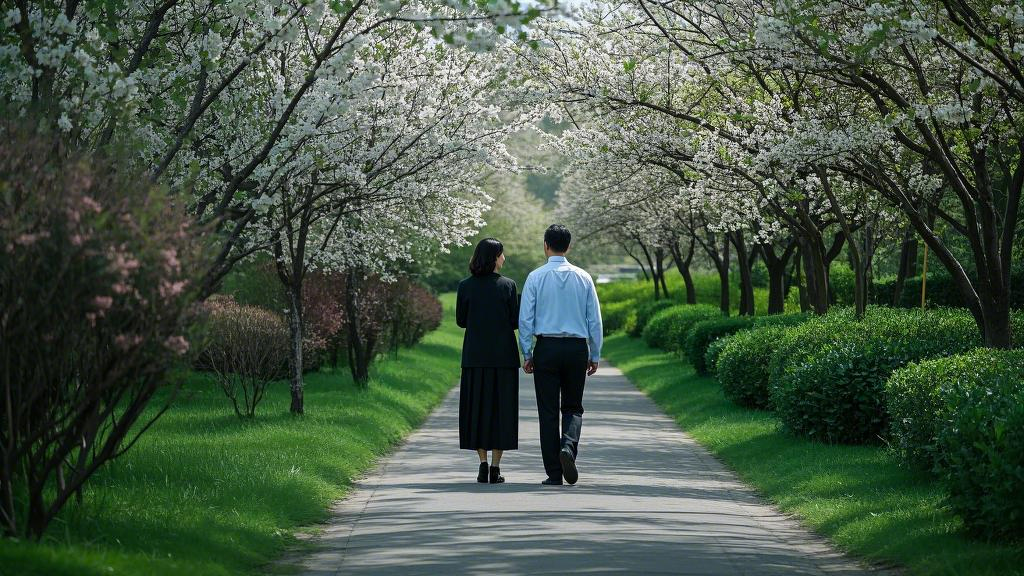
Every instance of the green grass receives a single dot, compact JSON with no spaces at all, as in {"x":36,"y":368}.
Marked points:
{"x":858,"y":496}
{"x":205,"y":493}
{"x":706,"y":287}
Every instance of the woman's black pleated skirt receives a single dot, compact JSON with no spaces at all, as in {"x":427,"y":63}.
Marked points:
{"x":489,"y":409}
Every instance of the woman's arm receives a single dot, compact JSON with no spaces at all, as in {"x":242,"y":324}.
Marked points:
{"x":513,"y":306}
{"x":461,"y":307}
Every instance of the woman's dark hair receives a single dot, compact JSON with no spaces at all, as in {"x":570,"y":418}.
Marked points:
{"x":557,"y":237}
{"x":485,"y":257}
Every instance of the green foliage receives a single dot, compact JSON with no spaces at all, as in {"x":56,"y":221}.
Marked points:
{"x":705,"y":332}
{"x":713,"y":352}
{"x":857,"y":496}
{"x":644,"y":312}
{"x":614,"y":315}
{"x":743,"y":365}
{"x":832,"y":388}
{"x":981,"y":442}
{"x":669,"y":328}
{"x":940,"y":290}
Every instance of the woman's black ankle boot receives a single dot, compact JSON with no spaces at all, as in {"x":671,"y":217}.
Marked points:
{"x":482,"y":476}
{"x":496,"y":477}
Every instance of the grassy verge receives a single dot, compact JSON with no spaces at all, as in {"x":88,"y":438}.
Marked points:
{"x":204,"y":493}
{"x":858,"y":496}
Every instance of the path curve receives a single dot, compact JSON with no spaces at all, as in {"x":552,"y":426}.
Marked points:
{"x":650,"y":500}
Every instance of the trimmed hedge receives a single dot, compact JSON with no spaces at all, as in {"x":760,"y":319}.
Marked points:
{"x":614,"y":315}
{"x":713,"y":352}
{"x":743,"y":365}
{"x":832,"y":387}
{"x":917,"y":405}
{"x":645,"y":311}
{"x":981,"y":443}
{"x":669,"y":328}
{"x":705,"y":332}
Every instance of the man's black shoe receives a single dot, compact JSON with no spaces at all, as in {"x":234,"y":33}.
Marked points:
{"x":552,"y":482}
{"x":568,"y":466}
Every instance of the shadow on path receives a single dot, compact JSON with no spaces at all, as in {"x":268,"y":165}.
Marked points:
{"x":649,"y":501}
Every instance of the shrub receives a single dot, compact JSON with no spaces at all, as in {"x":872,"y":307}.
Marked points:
{"x":916,"y":404}
{"x":835,"y":391}
{"x":646,"y":310}
{"x":614,"y":314}
{"x":705,"y":332}
{"x":743,"y":365}
{"x":669,"y":328}
{"x":981,"y":442}
{"x":97,"y":276}
{"x":247,"y":349}
{"x":713,"y":352}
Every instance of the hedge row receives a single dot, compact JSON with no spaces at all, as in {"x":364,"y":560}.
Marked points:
{"x":644,"y":312}
{"x":962,"y":417}
{"x":706,"y":332}
{"x":669,"y":328}
{"x":940,"y":290}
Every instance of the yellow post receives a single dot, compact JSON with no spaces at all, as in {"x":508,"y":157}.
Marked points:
{"x":924,"y":275}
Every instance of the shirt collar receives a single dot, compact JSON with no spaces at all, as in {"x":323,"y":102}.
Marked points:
{"x":556,"y":259}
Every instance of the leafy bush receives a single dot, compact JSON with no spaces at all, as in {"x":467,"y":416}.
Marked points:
{"x":97,"y":276}
{"x":646,"y":310}
{"x":247,"y":349}
{"x":669,"y":328}
{"x":705,"y":332}
{"x":743,"y":365}
{"x":835,"y":390}
{"x":980,"y":441}
{"x":713,"y":352}
{"x":614,"y":315}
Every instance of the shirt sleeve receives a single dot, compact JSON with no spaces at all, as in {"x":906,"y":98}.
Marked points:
{"x":526,"y":316}
{"x":461,"y":308}
{"x":595,"y":328}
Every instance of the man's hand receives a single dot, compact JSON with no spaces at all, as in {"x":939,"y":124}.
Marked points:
{"x":528,"y":366}
{"x":591,"y":368}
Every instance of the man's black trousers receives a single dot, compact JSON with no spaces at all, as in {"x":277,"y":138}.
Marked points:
{"x":560,"y":370}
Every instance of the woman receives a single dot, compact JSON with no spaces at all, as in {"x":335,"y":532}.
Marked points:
{"x":487,"y":307}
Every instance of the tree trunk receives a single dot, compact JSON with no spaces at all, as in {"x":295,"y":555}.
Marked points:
{"x":907,"y":267}
{"x":776,"y":266}
{"x":860,"y":291}
{"x":296,"y":329}
{"x":683,"y":266}
{"x":723,"y":278}
{"x":360,"y":350}
{"x":744,"y":263}
{"x":659,"y":258}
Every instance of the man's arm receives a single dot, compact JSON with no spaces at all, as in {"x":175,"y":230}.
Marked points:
{"x":595,"y":328}
{"x":526,"y":316}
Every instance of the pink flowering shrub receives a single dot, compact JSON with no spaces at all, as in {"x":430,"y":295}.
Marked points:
{"x":246,"y":348}
{"x":353,"y":317}
{"x":96,"y":281}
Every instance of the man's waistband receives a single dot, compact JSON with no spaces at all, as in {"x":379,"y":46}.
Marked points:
{"x":558,"y":337}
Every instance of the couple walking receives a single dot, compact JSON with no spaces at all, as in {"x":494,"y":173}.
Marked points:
{"x":559,"y":307}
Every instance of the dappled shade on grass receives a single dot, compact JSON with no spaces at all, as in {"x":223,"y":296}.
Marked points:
{"x":205,"y":493}
{"x":858,"y":496}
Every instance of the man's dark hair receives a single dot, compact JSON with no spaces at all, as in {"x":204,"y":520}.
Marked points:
{"x":485,"y":257}
{"x":557,"y":237}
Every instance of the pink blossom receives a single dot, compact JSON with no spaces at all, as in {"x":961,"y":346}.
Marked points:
{"x":121,"y":288}
{"x":171,"y":262}
{"x":171,"y":289}
{"x":77,"y":239}
{"x":91,"y":204}
{"x":91,"y":318}
{"x":102,"y":302}
{"x":177,"y":344}
{"x":28,"y":239}
{"x":127,"y":341}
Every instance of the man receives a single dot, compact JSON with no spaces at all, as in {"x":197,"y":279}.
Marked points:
{"x":559,"y":307}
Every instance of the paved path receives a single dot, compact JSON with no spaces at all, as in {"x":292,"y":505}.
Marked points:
{"x":649,"y":501}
